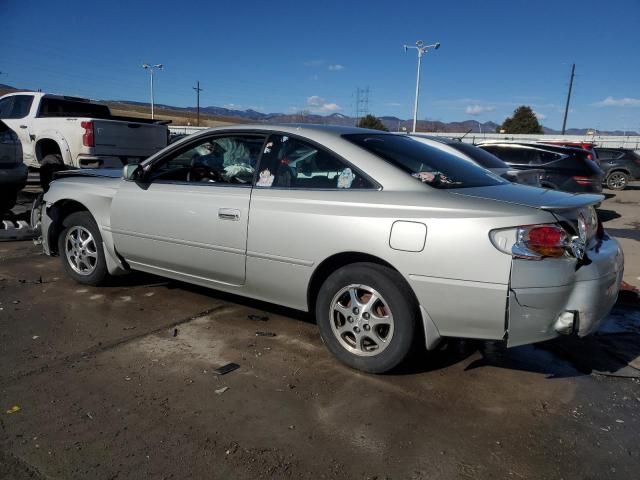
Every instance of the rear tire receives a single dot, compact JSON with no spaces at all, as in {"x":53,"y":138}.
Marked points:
{"x":373,"y":334}
{"x":617,"y":180}
{"x":81,"y":250}
{"x":50,"y":164}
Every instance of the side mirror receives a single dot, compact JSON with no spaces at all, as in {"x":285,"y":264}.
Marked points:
{"x":131,"y":172}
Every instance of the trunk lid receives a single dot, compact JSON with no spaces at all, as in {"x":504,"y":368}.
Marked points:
{"x":541,"y":198}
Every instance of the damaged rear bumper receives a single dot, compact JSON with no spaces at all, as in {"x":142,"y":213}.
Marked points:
{"x":578,"y":301}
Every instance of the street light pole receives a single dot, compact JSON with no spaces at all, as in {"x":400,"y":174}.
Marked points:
{"x":422,"y":49}
{"x":151,"y":68}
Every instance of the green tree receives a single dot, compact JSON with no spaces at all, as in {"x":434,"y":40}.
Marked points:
{"x":523,"y":120}
{"x":371,"y":121}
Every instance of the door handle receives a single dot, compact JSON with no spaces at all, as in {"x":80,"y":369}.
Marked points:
{"x":23,"y":126}
{"x":229,"y":214}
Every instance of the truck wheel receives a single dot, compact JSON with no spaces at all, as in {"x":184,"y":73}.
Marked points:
{"x":7,"y":200}
{"x":617,"y":180}
{"x":50,"y":164}
{"x":80,"y":248}
{"x":367,"y":317}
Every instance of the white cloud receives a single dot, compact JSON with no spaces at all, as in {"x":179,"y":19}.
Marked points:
{"x":319,"y":104}
{"x":335,"y":67}
{"x":232,"y":106}
{"x":478,"y":109}
{"x":618,"y":102}
{"x":540,"y":116}
{"x":393,"y":104}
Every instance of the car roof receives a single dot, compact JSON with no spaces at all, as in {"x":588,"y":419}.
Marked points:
{"x":293,"y":128}
{"x":536,"y":146}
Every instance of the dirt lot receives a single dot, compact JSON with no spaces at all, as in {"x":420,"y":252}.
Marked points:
{"x":118,"y":383}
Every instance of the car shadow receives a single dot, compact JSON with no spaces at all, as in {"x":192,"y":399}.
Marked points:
{"x":624,"y":233}
{"x":613,"y":351}
{"x":607,"y":215}
{"x":141,"y":279}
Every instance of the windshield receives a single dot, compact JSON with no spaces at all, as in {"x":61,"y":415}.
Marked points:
{"x":431,"y":165}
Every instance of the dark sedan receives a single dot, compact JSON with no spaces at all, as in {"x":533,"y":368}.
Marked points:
{"x":564,"y":168}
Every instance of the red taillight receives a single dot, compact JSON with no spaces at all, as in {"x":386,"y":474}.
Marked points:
{"x":546,"y":240}
{"x":580,"y":180}
{"x":532,"y":242}
{"x":548,"y":236}
{"x":589,"y":156}
{"x":87,"y":137}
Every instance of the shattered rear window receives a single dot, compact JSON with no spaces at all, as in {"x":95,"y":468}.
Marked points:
{"x":431,"y":165}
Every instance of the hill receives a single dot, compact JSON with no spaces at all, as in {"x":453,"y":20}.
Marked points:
{"x":212,"y":116}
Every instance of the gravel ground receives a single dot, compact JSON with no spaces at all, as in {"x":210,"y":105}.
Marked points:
{"x":118,"y":382}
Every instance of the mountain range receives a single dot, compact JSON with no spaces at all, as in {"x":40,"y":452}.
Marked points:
{"x":391,"y":122}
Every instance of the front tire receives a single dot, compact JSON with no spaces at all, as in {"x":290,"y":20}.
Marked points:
{"x":367,"y":317}
{"x":617,"y":180}
{"x":81,"y":250}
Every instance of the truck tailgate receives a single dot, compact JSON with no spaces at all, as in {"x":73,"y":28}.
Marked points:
{"x":114,"y":137}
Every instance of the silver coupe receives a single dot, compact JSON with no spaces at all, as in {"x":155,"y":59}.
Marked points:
{"x":389,"y":241}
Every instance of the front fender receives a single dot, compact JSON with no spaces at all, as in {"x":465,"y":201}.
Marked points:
{"x":65,"y":197}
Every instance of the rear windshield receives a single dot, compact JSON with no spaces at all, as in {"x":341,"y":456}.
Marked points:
{"x":57,"y":107}
{"x":480,"y":156}
{"x":436,"y":167}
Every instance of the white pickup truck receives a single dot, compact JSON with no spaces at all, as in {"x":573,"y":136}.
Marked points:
{"x":59,"y":132}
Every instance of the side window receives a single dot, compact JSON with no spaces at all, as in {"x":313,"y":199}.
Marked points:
{"x":546,"y":157}
{"x":5,"y":107}
{"x":291,"y":163}
{"x":229,"y":159}
{"x":21,"y":106}
{"x":510,"y":154}
{"x":16,"y":106}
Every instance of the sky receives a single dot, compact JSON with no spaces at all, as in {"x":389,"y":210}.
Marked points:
{"x":287,"y":56}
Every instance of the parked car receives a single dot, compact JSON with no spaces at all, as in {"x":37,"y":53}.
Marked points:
{"x":388,"y":240}
{"x":567,"y":169}
{"x":13,"y":173}
{"x":58,"y":132}
{"x":483,"y":158}
{"x":620,"y":165}
{"x":584,"y":145}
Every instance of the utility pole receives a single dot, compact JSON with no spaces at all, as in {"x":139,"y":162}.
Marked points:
{"x":566,"y":108}
{"x":198,"y":90}
{"x":422,"y":49}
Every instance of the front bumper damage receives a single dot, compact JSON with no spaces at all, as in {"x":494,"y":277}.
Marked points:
{"x":578,"y":300}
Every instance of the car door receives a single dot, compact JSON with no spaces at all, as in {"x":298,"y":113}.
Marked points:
{"x":292,"y":203}
{"x":13,"y":111}
{"x":187,"y":215}
{"x":8,"y":146}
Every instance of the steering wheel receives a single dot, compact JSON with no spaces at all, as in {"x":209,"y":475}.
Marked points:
{"x":202,"y":171}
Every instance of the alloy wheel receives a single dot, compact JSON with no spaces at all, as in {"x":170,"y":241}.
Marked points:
{"x":81,"y":251}
{"x":361,"y":320}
